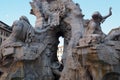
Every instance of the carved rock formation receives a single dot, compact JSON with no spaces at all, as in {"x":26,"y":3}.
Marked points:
{"x":31,"y":53}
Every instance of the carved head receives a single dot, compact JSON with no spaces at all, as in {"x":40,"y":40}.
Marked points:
{"x":25,"y":19}
{"x":17,"y":28}
{"x":97,"y":16}
{"x":20,"y":29}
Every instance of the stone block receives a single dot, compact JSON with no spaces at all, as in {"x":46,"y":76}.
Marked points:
{"x":8,"y":51}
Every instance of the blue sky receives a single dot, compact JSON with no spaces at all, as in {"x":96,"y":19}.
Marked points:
{"x":11,"y":10}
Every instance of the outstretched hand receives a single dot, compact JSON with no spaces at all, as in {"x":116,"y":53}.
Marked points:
{"x":110,"y":10}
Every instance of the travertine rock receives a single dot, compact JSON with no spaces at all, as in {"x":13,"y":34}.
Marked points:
{"x":31,"y":53}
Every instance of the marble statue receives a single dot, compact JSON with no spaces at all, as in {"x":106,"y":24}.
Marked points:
{"x":30,"y":53}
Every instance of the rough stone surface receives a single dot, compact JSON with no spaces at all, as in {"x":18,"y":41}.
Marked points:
{"x":31,"y":53}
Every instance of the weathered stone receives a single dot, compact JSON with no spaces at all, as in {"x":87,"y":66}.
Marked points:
{"x":31,"y":53}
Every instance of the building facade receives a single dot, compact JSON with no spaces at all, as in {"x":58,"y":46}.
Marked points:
{"x":60,"y":52}
{"x":5,"y":31}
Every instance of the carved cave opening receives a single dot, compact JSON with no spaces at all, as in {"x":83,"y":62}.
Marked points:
{"x":1,"y":73}
{"x":60,"y":48}
{"x":111,"y":76}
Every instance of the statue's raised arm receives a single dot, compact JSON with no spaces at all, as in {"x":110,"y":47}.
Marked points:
{"x":110,"y":13}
